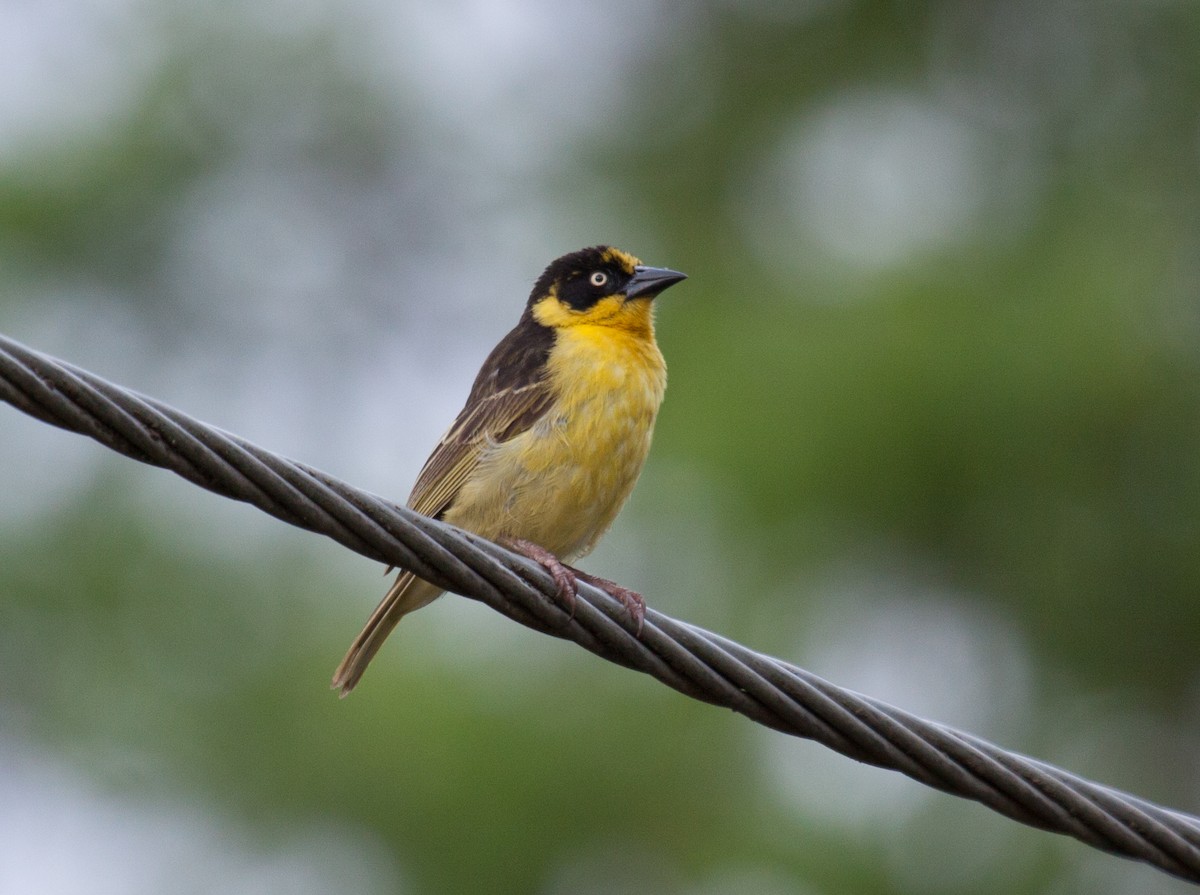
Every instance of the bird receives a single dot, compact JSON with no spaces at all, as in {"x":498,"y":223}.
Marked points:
{"x":553,"y":435}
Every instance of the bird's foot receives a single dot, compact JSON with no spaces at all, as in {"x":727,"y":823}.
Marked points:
{"x":563,"y":575}
{"x":634,"y":603}
{"x":567,"y":579}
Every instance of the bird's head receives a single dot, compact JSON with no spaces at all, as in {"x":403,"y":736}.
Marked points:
{"x":600,"y":286}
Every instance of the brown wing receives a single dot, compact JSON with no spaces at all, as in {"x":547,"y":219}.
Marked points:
{"x":510,"y":394}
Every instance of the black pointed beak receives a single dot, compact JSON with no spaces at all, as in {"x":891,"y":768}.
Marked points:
{"x":649,"y":281}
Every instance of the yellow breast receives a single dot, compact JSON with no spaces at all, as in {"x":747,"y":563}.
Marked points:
{"x":561,"y":483}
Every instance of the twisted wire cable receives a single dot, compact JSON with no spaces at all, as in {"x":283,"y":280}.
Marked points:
{"x":696,"y":662}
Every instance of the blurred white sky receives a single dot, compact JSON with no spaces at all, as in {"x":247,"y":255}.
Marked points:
{"x":62,"y":834}
{"x":335,"y":316}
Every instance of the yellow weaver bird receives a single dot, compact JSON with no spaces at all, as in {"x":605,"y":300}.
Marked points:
{"x":553,"y":435}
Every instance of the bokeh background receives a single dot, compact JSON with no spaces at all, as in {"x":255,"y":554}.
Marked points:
{"x":933,"y":431}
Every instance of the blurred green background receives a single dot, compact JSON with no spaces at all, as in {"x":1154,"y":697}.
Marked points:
{"x":933,"y":431}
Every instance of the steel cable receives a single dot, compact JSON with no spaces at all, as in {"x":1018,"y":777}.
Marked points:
{"x":689,"y":659}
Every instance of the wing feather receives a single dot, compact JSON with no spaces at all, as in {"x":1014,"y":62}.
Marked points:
{"x":510,"y":394}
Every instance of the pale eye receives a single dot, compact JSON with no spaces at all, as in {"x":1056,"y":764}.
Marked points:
{"x":599,"y":278}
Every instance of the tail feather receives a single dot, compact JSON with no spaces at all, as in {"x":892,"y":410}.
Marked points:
{"x":406,"y":595}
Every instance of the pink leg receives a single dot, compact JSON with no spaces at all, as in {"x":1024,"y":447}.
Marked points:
{"x":634,"y":603}
{"x":564,"y":575}
{"x":567,"y":578}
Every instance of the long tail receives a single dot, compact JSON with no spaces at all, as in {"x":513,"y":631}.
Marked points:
{"x":406,"y":595}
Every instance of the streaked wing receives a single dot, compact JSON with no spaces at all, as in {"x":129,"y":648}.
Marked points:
{"x":496,"y":418}
{"x":509,"y":395}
